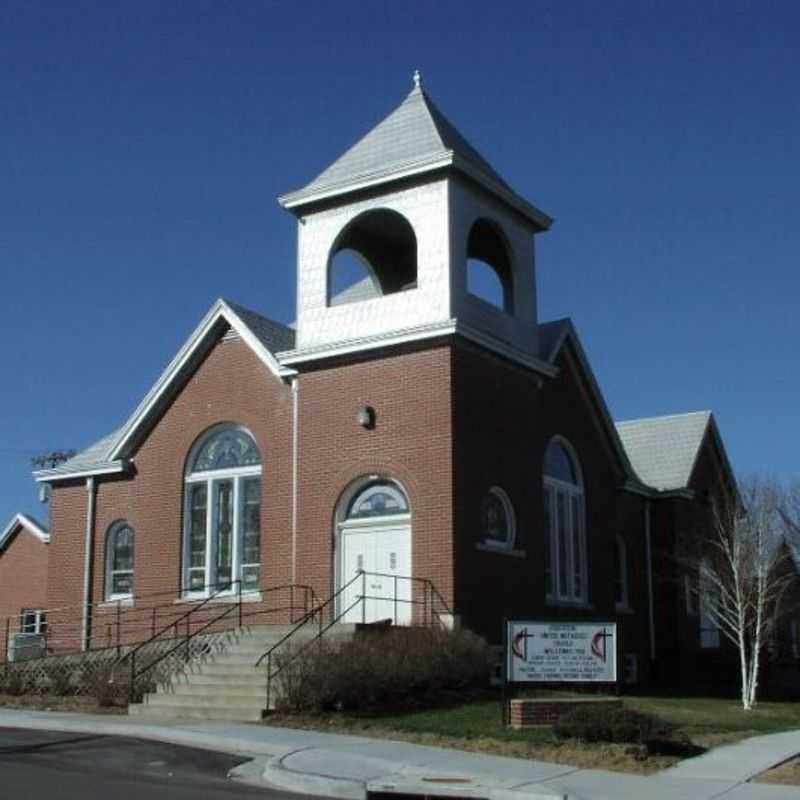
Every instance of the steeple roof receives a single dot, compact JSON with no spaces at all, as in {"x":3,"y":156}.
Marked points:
{"x":415,"y":138}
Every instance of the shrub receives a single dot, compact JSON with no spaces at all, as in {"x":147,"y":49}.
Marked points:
{"x":59,"y":679}
{"x":13,"y":681}
{"x":392,"y":669}
{"x":598,"y":723}
{"x":100,"y":679}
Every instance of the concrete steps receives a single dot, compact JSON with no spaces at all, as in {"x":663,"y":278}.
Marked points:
{"x":225,"y":685}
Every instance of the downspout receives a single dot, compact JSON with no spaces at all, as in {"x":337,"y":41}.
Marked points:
{"x":649,"y":553}
{"x":91,"y":491}
{"x":295,"y":447}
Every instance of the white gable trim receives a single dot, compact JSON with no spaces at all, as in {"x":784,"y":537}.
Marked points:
{"x":219,"y":312}
{"x":25,"y":522}
{"x":569,"y":333}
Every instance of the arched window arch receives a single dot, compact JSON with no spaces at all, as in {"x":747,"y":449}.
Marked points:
{"x":489,"y":269}
{"x":621,"y":587}
{"x":119,"y":561}
{"x":566,"y":578}
{"x":378,"y":499}
{"x":498,"y":521}
{"x":375,"y":255}
{"x":222,"y":528}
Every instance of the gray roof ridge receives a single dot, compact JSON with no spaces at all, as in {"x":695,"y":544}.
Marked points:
{"x":239,"y":307}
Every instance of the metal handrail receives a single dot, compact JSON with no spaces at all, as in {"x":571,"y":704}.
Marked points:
{"x":126,"y":622}
{"x":131,"y":655}
{"x":362,"y":575}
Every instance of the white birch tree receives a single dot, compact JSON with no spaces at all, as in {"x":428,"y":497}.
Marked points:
{"x":741,"y":572}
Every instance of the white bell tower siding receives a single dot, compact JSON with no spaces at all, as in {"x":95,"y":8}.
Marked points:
{"x":425,"y":207}
{"x":516,"y":325}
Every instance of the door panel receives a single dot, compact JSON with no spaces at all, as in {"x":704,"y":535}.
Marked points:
{"x":379,"y":549}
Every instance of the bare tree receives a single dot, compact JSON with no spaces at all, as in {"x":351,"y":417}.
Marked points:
{"x":743,"y":569}
{"x":52,"y":459}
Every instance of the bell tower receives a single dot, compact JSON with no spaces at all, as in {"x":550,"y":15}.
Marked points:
{"x":412,"y":234}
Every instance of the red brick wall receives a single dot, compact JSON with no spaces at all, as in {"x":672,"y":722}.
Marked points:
{"x":503,"y":422}
{"x":230,"y":385}
{"x":411,"y":442}
{"x":23,"y":577}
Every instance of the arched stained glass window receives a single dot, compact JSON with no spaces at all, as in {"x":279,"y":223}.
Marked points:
{"x":222,"y":514}
{"x":226,"y":449}
{"x":378,"y":500}
{"x":498,"y":526}
{"x":119,"y":561}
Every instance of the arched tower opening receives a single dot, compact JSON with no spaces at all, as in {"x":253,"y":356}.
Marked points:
{"x":489,"y":270}
{"x":375,"y":255}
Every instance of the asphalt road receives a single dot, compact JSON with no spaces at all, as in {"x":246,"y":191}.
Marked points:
{"x":43,"y":765}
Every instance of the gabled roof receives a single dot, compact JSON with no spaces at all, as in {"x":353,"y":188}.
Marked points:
{"x":23,"y":522}
{"x":264,"y":336}
{"x":415,"y":138}
{"x":664,"y":450}
{"x":553,"y":336}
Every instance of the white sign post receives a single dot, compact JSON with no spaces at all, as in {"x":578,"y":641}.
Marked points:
{"x":561,"y":652}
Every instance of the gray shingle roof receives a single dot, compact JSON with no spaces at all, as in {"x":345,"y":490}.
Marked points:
{"x":663,"y":450}
{"x":96,"y":453}
{"x":275,"y":336}
{"x":415,"y":132}
{"x":550,"y":334}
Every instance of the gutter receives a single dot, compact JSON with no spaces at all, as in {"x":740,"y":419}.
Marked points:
{"x":91,"y":494}
{"x":649,"y":556}
{"x":295,"y":462}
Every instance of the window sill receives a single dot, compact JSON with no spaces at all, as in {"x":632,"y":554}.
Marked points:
{"x":500,"y":549}
{"x":577,"y":604}
{"x":114,"y":602}
{"x":225,"y":599}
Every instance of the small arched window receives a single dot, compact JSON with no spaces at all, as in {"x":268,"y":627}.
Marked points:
{"x":498,"y":522}
{"x":489,"y":273}
{"x":566,"y":578}
{"x":621,"y":589}
{"x":222,"y":517}
{"x":119,"y":561}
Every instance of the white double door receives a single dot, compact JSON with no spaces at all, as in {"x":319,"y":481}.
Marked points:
{"x":383,"y":554}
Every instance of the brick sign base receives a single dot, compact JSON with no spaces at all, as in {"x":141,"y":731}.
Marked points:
{"x":529,"y":712}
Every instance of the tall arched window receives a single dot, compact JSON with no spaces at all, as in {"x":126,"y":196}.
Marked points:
{"x":222,"y":530}
{"x":119,"y":561}
{"x":564,"y":535}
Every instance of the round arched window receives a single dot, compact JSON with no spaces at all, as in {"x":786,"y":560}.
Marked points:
{"x":222,"y":533}
{"x":564,"y":526}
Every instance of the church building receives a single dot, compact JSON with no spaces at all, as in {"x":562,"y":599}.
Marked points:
{"x":418,"y":442}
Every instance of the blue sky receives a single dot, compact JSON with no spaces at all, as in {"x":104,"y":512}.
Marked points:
{"x":143,"y":145}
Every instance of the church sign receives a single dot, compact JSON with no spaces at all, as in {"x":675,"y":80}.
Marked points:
{"x":561,"y":652}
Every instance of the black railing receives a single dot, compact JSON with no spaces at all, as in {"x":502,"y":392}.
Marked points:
{"x":430,"y":617}
{"x":120,"y":624}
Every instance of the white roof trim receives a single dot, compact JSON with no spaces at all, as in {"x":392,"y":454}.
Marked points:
{"x":447,"y":158}
{"x":100,"y":468}
{"x":23,"y":521}
{"x":415,"y":334}
{"x":220,"y":311}
{"x":570,"y":333}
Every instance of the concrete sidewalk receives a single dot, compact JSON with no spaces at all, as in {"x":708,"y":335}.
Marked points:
{"x":349,"y":766}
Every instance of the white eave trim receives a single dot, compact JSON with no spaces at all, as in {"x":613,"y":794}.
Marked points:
{"x":61,"y":474}
{"x":220,"y":311}
{"x":416,"y":334}
{"x":446,"y":158}
{"x":23,"y":521}
{"x":657,"y":494}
